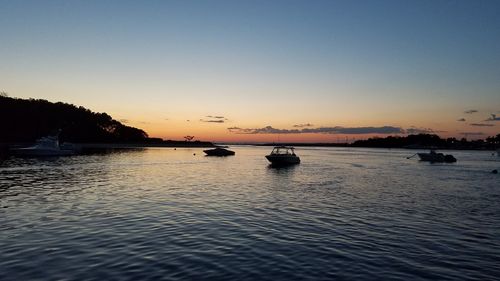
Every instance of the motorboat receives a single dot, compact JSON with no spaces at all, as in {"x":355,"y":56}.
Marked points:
{"x":283,"y":155}
{"x":45,"y":146}
{"x":218,"y":151}
{"x":435,"y":157}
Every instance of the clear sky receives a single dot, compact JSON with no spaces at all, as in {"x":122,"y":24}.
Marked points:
{"x":270,"y":70}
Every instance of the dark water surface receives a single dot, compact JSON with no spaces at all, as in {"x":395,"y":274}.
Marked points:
{"x":344,"y":214}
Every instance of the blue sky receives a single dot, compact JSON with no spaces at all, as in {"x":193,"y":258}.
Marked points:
{"x":334,"y":63}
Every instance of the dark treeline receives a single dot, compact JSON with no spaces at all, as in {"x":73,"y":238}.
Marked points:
{"x":25,"y":120}
{"x":428,"y":141}
{"x":419,"y":141}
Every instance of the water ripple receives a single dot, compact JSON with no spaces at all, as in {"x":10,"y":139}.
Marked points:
{"x":157,"y":214}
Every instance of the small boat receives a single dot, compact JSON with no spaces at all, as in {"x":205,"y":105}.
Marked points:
{"x":283,"y":155}
{"x":434,"y":157}
{"x":45,"y":146}
{"x":218,"y":151}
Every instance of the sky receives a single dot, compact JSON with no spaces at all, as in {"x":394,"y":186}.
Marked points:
{"x":311,"y":71}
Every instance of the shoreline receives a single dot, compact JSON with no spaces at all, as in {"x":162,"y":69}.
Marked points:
{"x":4,"y":147}
{"x":141,"y":145}
{"x":360,"y":146}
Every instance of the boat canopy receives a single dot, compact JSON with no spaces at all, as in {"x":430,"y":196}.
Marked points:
{"x":283,"y":150}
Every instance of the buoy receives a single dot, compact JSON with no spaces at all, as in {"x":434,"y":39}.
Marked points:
{"x":495,"y":171}
{"x":194,"y":153}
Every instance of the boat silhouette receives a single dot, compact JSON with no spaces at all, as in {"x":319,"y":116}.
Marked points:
{"x":283,"y":155}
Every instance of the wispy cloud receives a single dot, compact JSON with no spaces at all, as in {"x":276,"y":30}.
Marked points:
{"x":414,"y":131}
{"x":461,"y":120}
{"x":471,"y":111}
{"x":212,"y":121}
{"x":303,"y":125}
{"x":320,"y":130}
{"x":481,"y":125}
{"x":264,"y":130}
{"x":493,"y":118}
{"x":472,"y":133}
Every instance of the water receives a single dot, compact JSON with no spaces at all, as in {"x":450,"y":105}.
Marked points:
{"x":161,"y":213}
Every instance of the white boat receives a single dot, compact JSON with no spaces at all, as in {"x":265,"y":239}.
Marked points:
{"x":283,"y":155}
{"x":45,"y":146}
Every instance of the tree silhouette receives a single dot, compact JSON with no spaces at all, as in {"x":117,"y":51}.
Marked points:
{"x":189,"y":138}
{"x":24,"y":120}
{"x":429,"y":140}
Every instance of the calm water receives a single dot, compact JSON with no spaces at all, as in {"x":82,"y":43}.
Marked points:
{"x":154,"y":214}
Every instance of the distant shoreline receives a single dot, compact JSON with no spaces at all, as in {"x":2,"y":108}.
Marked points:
{"x":144,"y":145}
{"x":4,"y":147}
{"x":347,"y":145}
{"x":121,"y":145}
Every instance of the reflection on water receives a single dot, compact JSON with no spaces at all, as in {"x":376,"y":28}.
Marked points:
{"x":282,"y":169}
{"x":168,"y":214}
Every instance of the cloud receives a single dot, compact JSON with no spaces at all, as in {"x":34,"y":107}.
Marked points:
{"x":124,"y":121}
{"x":265,"y":130}
{"x":471,"y":111}
{"x":493,"y":118}
{"x":481,"y":125}
{"x":303,"y":125}
{"x":461,"y":120}
{"x":320,"y":130}
{"x":212,"y":121}
{"x":414,"y":131}
{"x":472,"y":133}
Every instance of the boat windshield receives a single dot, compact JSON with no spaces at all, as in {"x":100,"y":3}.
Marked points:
{"x":283,"y":151}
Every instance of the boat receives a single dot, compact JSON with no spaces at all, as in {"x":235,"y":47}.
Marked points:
{"x":283,"y":155}
{"x":434,"y":157}
{"x":45,"y":146}
{"x":218,"y":151}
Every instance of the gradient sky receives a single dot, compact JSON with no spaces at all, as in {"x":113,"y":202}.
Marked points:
{"x":346,"y":68}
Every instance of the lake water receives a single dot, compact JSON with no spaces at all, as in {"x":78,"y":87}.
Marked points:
{"x":344,"y":214}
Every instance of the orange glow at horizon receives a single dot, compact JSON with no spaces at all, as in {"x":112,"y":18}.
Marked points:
{"x":220,"y":133}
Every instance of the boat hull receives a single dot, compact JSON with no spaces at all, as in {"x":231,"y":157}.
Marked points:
{"x":436,"y":158}
{"x":283,"y":160}
{"x":220,"y":152}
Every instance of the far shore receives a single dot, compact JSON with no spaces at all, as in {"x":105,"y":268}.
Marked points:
{"x":180,"y":144}
{"x":4,"y":147}
{"x":348,"y":145}
{"x":143,"y":145}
